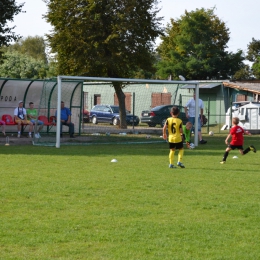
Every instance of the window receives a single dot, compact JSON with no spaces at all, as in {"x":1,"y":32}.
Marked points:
{"x":97,"y":99}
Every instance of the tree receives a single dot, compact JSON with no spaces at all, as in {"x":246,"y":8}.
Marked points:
{"x":8,"y":9}
{"x":253,"y":55}
{"x":194,"y":46}
{"x":27,"y":58}
{"x":34,"y":47}
{"x":19,"y":66}
{"x":107,"y":38}
{"x":256,"y":68}
{"x":253,"y":50}
{"x":244,"y":73}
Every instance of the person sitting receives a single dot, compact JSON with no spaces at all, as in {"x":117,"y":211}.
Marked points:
{"x":20,"y":118}
{"x":32,"y":115}
{"x":65,"y":119}
{"x":2,"y":123}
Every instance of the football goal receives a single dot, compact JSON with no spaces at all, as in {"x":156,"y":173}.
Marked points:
{"x":109,"y":110}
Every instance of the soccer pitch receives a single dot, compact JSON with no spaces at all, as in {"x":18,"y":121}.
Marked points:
{"x":74,"y":203}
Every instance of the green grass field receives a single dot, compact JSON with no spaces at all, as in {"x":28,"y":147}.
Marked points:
{"x":73,"y":203}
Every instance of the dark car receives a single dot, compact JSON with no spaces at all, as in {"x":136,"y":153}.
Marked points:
{"x":110,"y":114}
{"x":159,"y":114}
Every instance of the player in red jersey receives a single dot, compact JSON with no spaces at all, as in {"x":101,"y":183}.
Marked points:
{"x":237,"y":141}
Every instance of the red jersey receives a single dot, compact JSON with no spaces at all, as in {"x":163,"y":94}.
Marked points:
{"x":237,"y":133}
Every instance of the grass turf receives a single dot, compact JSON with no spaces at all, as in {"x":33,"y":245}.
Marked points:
{"x":73,"y":203}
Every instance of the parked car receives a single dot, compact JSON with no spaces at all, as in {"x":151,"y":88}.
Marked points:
{"x":110,"y":114}
{"x":85,"y":116}
{"x":159,"y":114}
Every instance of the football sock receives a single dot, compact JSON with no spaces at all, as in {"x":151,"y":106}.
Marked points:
{"x":246,"y":150}
{"x":225,"y":156}
{"x":180,"y":155}
{"x":171,"y":156}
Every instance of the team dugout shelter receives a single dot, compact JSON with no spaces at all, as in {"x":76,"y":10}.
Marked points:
{"x":43,"y":93}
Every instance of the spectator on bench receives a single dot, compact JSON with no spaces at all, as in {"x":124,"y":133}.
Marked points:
{"x":2,"y":123}
{"x":32,"y":115}
{"x":20,"y":118}
{"x":65,"y":119}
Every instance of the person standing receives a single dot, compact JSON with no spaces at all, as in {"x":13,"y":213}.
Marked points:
{"x":32,"y":115}
{"x":190,"y":114}
{"x":20,"y":118}
{"x":66,"y":120}
{"x":237,"y":141}
{"x":174,"y":126}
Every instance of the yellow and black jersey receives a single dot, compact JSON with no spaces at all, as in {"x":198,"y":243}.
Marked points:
{"x":174,"y":125}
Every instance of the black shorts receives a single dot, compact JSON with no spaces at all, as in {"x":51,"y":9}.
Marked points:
{"x":176,"y":145}
{"x":233,"y":147}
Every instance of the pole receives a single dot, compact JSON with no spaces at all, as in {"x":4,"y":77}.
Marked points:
{"x":196,"y":142}
{"x":133,"y":110}
{"x":208,"y":114}
{"x":58,"y":114}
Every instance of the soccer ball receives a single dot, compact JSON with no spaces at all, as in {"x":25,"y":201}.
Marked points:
{"x":192,"y":146}
{"x":211,"y":133}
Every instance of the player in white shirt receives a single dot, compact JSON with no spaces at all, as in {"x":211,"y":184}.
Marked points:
{"x":190,"y":114}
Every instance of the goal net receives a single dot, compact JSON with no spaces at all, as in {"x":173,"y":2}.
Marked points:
{"x":95,"y":110}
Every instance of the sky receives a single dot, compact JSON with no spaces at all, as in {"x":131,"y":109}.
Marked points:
{"x":241,"y":17}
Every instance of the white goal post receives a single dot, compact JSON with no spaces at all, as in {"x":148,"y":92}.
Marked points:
{"x":125,"y":81}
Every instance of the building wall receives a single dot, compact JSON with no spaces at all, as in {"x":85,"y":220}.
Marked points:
{"x":145,"y":94}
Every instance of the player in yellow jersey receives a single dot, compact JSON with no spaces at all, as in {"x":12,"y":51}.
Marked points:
{"x":174,"y":126}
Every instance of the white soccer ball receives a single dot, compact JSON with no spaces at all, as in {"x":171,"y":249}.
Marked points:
{"x":114,"y":160}
{"x":192,"y":146}
{"x":211,"y":133}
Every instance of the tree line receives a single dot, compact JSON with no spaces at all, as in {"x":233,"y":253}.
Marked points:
{"x":117,"y":39}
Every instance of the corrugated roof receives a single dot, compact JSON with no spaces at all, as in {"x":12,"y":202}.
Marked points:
{"x":250,"y":87}
{"x":204,"y":85}
{"x":253,"y":87}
